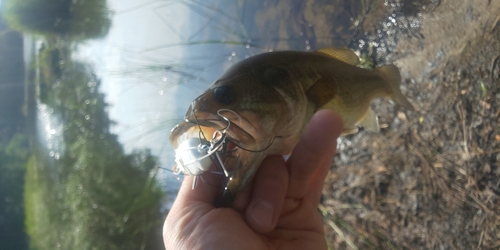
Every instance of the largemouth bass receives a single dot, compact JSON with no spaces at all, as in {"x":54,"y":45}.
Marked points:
{"x":261,"y":105}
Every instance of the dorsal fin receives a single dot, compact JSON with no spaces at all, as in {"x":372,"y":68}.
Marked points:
{"x":342,"y":54}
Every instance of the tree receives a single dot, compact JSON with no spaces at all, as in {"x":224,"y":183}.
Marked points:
{"x":13,"y":159}
{"x":94,"y":196}
{"x":80,"y":19}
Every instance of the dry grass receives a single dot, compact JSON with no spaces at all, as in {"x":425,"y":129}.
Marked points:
{"x":431,"y":179}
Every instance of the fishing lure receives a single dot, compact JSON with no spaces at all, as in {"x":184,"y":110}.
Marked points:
{"x":195,"y":155}
{"x":196,"y":152}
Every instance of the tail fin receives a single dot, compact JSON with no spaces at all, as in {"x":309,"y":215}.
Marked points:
{"x":391,"y":74}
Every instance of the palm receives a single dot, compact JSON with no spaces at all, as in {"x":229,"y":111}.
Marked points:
{"x":291,"y":188}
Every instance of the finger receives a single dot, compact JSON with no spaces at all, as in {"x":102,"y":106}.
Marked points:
{"x":242,"y":200}
{"x":317,"y":179}
{"x":268,"y":194}
{"x":318,"y":139}
{"x":190,"y":205}
{"x":207,"y":187}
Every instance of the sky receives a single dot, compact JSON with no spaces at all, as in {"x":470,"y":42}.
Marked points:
{"x":144,"y":104}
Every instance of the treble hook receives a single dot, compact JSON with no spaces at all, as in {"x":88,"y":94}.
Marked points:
{"x":193,"y":153}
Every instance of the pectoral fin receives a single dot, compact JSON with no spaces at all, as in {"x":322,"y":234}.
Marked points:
{"x":342,"y":54}
{"x":321,"y":92}
{"x":370,"y":121}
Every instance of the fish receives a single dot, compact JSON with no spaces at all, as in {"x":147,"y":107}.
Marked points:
{"x":261,"y":105}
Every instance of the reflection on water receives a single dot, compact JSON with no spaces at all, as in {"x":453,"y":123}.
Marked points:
{"x":49,"y":132}
{"x":49,"y":126}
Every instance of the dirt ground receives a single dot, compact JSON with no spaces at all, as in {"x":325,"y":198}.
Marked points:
{"x":431,"y":178}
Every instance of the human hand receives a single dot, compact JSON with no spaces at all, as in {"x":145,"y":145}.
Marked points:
{"x":279,"y":210}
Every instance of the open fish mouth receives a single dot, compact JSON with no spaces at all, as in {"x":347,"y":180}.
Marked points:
{"x":217,"y":143}
{"x":206,"y":141}
{"x":209,"y":127}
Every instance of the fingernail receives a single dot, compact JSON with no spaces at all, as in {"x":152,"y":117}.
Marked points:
{"x":263,"y":213}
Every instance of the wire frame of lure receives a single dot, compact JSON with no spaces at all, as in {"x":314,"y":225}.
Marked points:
{"x":201,"y":147}
{"x":218,"y":144}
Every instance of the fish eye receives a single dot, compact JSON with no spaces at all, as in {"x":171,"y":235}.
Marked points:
{"x":224,"y":95}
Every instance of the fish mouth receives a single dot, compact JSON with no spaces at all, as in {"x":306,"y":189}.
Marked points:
{"x":236,"y":158}
{"x":205,"y":125}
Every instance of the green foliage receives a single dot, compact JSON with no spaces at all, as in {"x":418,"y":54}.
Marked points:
{"x":80,"y":19}
{"x":18,"y":148}
{"x":366,"y":61}
{"x":94,"y":196}
{"x":13,"y":158}
{"x":104,"y":204}
{"x":50,"y":66}
{"x":38,"y":196}
{"x":91,"y":17}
